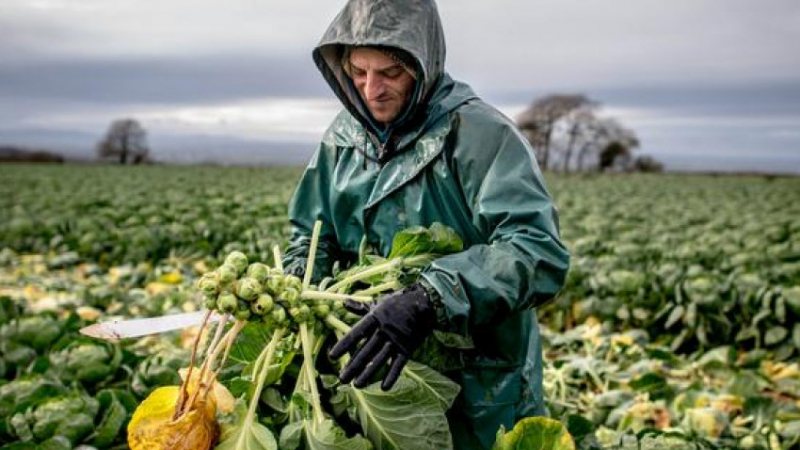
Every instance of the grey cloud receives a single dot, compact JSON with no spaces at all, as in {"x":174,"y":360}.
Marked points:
{"x":162,"y":80}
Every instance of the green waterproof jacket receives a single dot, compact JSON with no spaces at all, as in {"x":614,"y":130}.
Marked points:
{"x":453,"y":159}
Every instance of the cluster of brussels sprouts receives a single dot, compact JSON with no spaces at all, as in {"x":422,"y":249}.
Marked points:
{"x":256,"y":291}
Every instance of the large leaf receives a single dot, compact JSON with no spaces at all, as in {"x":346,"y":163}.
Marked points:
{"x":437,"y":240}
{"x":409,"y":416}
{"x":445,"y":239}
{"x":411,"y":241}
{"x":113,"y":415}
{"x":327,"y":436}
{"x":438,"y":385}
{"x":250,"y":342}
{"x":246,"y":435}
{"x":535,"y":433}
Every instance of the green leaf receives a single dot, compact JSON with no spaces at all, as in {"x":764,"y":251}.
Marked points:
{"x":535,"y":433}
{"x":409,"y":416}
{"x":775,"y":335}
{"x":55,"y":443}
{"x":327,"y":436}
{"x":438,"y":239}
{"x":445,"y":239}
{"x":291,"y":435}
{"x":796,"y":335}
{"x":411,"y":241}
{"x":113,"y":415}
{"x":650,"y":382}
{"x":250,"y":436}
{"x":250,"y":342}
{"x":438,"y":385}
{"x":691,"y":315}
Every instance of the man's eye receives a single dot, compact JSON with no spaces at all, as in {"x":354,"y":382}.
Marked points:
{"x":393,"y":72}
{"x":358,"y":72}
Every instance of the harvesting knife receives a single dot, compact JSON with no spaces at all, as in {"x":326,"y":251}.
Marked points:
{"x":119,"y":329}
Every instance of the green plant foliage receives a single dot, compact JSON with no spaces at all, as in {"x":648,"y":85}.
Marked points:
{"x":535,"y":433}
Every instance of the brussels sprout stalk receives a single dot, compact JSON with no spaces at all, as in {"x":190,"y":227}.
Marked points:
{"x":331,"y":296}
{"x":388,"y":266}
{"x":307,"y":339}
{"x":312,"y":254}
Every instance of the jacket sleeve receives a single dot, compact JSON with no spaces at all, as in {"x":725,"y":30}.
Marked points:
{"x":310,"y":203}
{"x":522,"y":262}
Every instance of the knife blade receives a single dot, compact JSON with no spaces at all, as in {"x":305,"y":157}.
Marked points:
{"x":115,"y":330}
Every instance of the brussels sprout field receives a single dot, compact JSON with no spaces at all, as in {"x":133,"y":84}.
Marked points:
{"x":679,"y":326}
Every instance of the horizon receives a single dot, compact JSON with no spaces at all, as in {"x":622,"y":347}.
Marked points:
{"x":237,"y":81}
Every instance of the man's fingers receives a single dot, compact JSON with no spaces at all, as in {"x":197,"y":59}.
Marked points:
{"x":377,"y":362}
{"x":394,"y":371}
{"x":362,"y":329}
{"x":362,"y":358}
{"x":357,"y":307}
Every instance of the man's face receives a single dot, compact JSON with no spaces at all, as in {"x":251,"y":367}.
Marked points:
{"x":384,"y":84}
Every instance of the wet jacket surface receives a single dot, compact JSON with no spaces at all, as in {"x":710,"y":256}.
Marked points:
{"x":453,"y":159}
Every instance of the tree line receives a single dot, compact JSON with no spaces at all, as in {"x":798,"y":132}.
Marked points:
{"x":566,"y":131}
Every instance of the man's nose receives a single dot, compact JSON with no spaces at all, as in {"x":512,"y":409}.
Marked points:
{"x":375,"y":86}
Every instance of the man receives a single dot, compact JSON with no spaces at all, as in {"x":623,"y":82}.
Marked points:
{"x":413,"y":147}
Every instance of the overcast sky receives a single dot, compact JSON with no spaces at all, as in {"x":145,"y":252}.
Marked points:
{"x":707,"y":84}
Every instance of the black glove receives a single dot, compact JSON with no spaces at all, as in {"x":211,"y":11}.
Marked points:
{"x":297,"y":268}
{"x":393,"y":329}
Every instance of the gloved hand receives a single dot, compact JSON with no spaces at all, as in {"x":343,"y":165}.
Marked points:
{"x":297,"y":268}
{"x":393,"y":329}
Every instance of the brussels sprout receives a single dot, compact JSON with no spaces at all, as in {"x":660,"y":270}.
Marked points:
{"x":210,"y":302}
{"x":248,"y":288}
{"x":279,"y":315}
{"x":293,"y":282}
{"x":242,"y":311}
{"x":226,"y":274}
{"x":338,"y":308}
{"x":38,"y":332}
{"x":258,"y":271}
{"x":88,"y":362}
{"x":275,"y":284}
{"x":262,"y":305}
{"x":292,"y":296}
{"x":71,"y":417}
{"x":301,"y":313}
{"x":238,"y":260}
{"x":209,"y":283}
{"x":227,"y":303}
{"x":30,"y":390}
{"x":626,"y":282}
{"x":322,"y":310}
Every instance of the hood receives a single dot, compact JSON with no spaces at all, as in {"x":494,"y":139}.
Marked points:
{"x":410,"y":25}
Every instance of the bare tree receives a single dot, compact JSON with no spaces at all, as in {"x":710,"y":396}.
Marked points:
{"x":581,"y":124}
{"x":616,"y":144}
{"x":126,"y":140}
{"x":539,"y":120}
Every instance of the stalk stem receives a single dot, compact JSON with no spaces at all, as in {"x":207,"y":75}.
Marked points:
{"x":337,"y":325}
{"x":317,"y":295}
{"x":308,"y":362}
{"x":185,"y":383}
{"x":378,"y":288}
{"x":312,"y":254}
{"x":372,"y":271}
{"x":276,"y":255}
